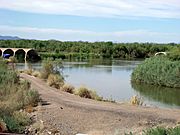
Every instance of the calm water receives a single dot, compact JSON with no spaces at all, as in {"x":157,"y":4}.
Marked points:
{"x":111,"y":79}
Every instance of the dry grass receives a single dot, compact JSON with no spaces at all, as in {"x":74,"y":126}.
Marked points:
{"x":83,"y":92}
{"x":36,"y":74}
{"x":68,"y":88}
{"x":135,"y":100}
{"x":29,"y":109}
{"x":86,"y":93}
{"x":55,"y":80}
{"x":28,"y":71}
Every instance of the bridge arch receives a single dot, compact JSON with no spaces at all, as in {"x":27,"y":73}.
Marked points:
{"x":20,"y":55}
{"x":1,"y":52}
{"x":9,"y":51}
{"x":161,"y":53}
{"x":32,"y":55}
{"x":24,"y":54}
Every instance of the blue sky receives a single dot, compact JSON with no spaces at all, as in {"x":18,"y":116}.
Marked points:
{"x":92,"y":20}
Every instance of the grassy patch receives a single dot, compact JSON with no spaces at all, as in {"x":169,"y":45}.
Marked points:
{"x":158,"y":71}
{"x":162,"y":131}
{"x":159,"y":131}
{"x":15,"y":94}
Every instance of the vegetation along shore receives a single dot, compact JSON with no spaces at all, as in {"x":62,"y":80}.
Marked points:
{"x":159,"y":70}
{"x":85,"y":50}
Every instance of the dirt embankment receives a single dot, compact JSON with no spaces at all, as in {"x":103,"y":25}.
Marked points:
{"x":69,"y":114}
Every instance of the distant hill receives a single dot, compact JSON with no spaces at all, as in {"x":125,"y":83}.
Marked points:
{"x":9,"y":38}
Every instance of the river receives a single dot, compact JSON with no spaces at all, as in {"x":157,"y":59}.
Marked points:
{"x":112,"y":80}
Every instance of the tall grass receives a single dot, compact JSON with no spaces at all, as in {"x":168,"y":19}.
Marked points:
{"x":55,"y":80}
{"x":86,"y":93}
{"x":51,"y":67}
{"x":158,"y":70}
{"x":14,"y":95}
{"x":52,"y":72}
{"x":158,"y":131}
{"x":162,"y":131}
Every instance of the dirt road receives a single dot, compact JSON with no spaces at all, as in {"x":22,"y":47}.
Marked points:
{"x":70,"y":114}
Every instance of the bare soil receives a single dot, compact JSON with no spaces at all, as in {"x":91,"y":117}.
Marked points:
{"x":67,"y":114}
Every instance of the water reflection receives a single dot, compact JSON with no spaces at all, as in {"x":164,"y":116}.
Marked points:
{"x":167,"y":97}
{"x":111,"y":78}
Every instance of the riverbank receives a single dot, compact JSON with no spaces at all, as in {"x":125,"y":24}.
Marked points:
{"x":69,"y":114}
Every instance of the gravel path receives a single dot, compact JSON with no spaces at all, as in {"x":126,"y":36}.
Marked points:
{"x":68,"y":114}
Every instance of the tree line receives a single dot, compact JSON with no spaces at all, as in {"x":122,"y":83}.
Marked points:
{"x":79,"y":49}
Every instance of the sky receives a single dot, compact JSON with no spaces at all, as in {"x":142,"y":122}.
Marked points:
{"x":92,"y":20}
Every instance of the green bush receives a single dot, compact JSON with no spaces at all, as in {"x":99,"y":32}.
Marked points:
{"x":174,"y":131}
{"x":47,"y":69}
{"x":174,"y":54}
{"x":156,"y":131}
{"x":15,"y":95}
{"x":32,"y":98}
{"x":162,"y":131}
{"x":159,"y":70}
{"x":51,"y":67}
{"x":17,"y":121}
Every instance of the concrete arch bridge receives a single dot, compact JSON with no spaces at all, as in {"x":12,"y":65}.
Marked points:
{"x":161,"y":53}
{"x":20,"y":53}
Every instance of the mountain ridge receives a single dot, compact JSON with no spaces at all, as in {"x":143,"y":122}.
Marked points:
{"x":9,"y":37}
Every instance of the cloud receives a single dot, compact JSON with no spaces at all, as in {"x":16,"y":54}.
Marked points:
{"x":98,"y":8}
{"x":83,"y":35}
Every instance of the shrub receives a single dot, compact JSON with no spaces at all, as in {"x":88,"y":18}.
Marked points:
{"x":155,"y":131}
{"x":32,"y":98}
{"x":68,"y":88}
{"x":17,"y":122}
{"x":36,"y":74}
{"x":162,"y":131}
{"x":135,"y":100}
{"x":174,"y":54}
{"x":28,"y":71}
{"x":55,"y":80}
{"x":83,"y":92}
{"x":51,"y":67}
{"x":24,"y":84}
{"x":15,"y":95}
{"x":86,"y":93}
{"x":173,"y":131}
{"x":47,"y":69}
{"x":158,"y":71}
{"x":95,"y":96}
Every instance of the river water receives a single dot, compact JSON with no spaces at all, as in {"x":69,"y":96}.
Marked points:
{"x":112,"y":80}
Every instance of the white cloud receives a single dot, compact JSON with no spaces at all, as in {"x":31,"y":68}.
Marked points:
{"x":98,"y":8}
{"x":76,"y":35}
